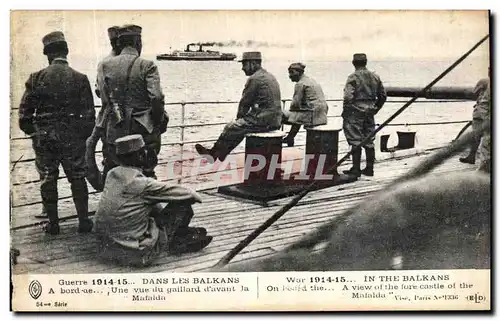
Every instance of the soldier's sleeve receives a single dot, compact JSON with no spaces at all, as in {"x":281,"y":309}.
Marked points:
{"x":247,"y":97}
{"x":381,"y":95}
{"x":27,"y":107}
{"x":298,"y":94}
{"x":349,"y":90}
{"x":156,"y":192}
{"x":155,"y":93}
{"x":87,"y":106}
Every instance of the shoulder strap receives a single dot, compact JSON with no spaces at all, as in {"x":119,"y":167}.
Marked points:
{"x":127,"y":80}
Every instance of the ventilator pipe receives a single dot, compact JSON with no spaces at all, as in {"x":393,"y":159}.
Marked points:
{"x":433,"y":93}
{"x":240,"y":246}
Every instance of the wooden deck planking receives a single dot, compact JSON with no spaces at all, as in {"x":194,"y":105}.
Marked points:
{"x":222,"y":217}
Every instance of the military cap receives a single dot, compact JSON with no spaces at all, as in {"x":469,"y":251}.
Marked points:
{"x":129,"y":30}
{"x":53,"y":37}
{"x":129,"y":144}
{"x":359,"y":57}
{"x":297,"y":66}
{"x":251,"y":55}
{"x":113,"y":32}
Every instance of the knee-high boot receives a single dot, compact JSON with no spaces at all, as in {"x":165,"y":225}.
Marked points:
{"x":356,"y":163}
{"x":81,"y":199}
{"x":370,"y":160}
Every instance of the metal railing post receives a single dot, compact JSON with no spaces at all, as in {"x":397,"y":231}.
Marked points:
{"x":283,"y":101}
{"x":183,"y":113}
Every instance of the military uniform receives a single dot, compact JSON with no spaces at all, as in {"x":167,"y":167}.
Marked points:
{"x":308,"y":106}
{"x":142,"y":104}
{"x":480,"y":114}
{"x":128,"y":217}
{"x":364,"y":95}
{"x":259,"y":110}
{"x":104,"y":111}
{"x":57,"y":110}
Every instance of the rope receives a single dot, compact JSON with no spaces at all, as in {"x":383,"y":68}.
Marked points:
{"x":240,"y":246}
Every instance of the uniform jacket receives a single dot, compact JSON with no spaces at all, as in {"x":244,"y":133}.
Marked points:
{"x":482,"y":93}
{"x":128,"y":198}
{"x":308,"y":99}
{"x":260,"y":103}
{"x":144,"y":97}
{"x":364,"y":92}
{"x":58,"y":95}
{"x":105,"y":109}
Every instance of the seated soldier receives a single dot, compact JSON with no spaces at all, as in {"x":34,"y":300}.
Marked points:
{"x":259,"y":109}
{"x":131,"y":224}
{"x":308,"y":107}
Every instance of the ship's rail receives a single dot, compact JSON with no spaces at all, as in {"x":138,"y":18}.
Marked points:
{"x":182,"y":125}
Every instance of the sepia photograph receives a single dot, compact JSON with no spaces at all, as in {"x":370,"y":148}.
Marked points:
{"x":182,"y":148}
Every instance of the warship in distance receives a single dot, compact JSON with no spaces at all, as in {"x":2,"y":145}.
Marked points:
{"x":199,"y":54}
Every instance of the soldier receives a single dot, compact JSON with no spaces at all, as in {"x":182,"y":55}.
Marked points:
{"x":308,"y":107}
{"x":57,"y":110}
{"x":485,"y":145}
{"x":131,"y":224}
{"x":259,"y":109}
{"x":480,"y":113}
{"x":115,"y":50}
{"x":94,"y":177}
{"x":364,"y":95}
{"x":132,"y":86}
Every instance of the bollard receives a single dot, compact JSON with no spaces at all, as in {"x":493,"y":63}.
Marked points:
{"x":264,"y":144}
{"x":322,"y":140}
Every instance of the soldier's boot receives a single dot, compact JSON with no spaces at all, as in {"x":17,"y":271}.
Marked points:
{"x":203,"y":151}
{"x":43,"y":214}
{"x":81,"y":199}
{"x":48,"y":191}
{"x":471,"y":158}
{"x":356,"y":163}
{"x":52,"y":227}
{"x":370,"y":160}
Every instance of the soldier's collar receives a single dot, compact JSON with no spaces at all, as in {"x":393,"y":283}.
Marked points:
{"x":60,"y":60}
{"x":129,"y":51}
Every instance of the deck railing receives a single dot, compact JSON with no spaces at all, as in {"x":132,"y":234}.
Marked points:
{"x":182,"y":137}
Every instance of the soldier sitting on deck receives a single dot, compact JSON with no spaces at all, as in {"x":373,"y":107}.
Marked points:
{"x":131,"y":224}
{"x":259,"y":109}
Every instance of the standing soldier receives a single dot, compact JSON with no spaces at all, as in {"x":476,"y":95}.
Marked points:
{"x":485,"y":145}
{"x":480,"y":114}
{"x":132,"y":86}
{"x":94,"y":176}
{"x":364,"y":95}
{"x":57,"y":110}
{"x":259,"y":109}
{"x":308,"y":107}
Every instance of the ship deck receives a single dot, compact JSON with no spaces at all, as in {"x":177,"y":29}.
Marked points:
{"x":228,"y":220}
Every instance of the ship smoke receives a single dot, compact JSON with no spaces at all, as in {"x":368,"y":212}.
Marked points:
{"x":246,"y":43}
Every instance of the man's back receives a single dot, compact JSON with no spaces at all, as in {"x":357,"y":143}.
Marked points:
{"x":58,"y":89}
{"x":262,"y":94}
{"x":59,"y":94}
{"x":363,"y":89}
{"x":143,"y":88}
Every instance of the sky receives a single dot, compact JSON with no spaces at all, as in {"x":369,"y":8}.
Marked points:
{"x":310,"y":35}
